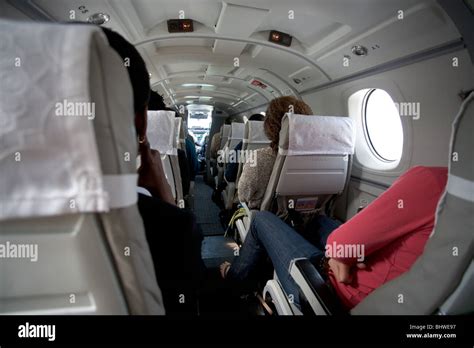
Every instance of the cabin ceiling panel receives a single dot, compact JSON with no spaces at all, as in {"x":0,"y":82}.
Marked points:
{"x":237,"y":21}
{"x":391,"y":39}
{"x":324,"y":32}
{"x":153,"y":12}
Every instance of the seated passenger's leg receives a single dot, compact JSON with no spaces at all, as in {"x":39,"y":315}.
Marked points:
{"x":319,"y":229}
{"x":268,"y":233}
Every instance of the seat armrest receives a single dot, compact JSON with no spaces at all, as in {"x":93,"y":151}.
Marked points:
{"x":319,"y":295}
{"x":247,"y":210}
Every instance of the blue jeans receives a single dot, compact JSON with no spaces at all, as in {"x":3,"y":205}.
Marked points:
{"x":268,"y":235}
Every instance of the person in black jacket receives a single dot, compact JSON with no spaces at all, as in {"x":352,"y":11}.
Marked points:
{"x":173,"y":235}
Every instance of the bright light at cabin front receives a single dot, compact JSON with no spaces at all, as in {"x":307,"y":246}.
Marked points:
{"x":383,"y":125}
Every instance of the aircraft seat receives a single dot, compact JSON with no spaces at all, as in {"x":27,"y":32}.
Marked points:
{"x":69,"y":177}
{"x":313,"y":162}
{"x":235,"y":137}
{"x":441,"y":281}
{"x":225,"y":133}
{"x":162,"y":134}
{"x":181,"y":135}
{"x":254,"y":138}
{"x":181,"y":145}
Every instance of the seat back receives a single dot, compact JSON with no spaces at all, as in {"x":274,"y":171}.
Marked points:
{"x":442,"y":278}
{"x":225,"y":133}
{"x":181,"y":135}
{"x":254,"y":139}
{"x":68,"y":185}
{"x":312,"y":164}
{"x":162,"y":133}
{"x":221,"y":153}
{"x":236,"y":135}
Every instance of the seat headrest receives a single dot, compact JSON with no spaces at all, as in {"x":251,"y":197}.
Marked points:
{"x":254,"y":133}
{"x":316,"y":135}
{"x":53,"y":105}
{"x":237,"y":130}
{"x":161,"y":131}
{"x":226,"y":130}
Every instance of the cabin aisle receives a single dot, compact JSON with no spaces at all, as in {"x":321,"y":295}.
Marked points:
{"x":216,"y":297}
{"x":206,"y":211}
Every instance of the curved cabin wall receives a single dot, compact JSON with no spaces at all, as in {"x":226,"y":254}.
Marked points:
{"x":434,"y":84}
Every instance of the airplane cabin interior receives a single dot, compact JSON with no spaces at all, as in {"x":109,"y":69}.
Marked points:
{"x":236,"y":158}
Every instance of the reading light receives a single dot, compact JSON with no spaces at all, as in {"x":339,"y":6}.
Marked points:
{"x":280,"y":38}
{"x":180,"y":25}
{"x":98,"y":18}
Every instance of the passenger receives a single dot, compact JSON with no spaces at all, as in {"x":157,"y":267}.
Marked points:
{"x":157,"y":103}
{"x":202,"y":153}
{"x":232,"y":168}
{"x":192,"y":156}
{"x":390,"y":235}
{"x":253,"y":180}
{"x":172,"y":233}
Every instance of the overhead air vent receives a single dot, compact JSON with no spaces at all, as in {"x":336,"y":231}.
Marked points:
{"x":280,"y":38}
{"x":180,"y":25}
{"x":359,"y":50}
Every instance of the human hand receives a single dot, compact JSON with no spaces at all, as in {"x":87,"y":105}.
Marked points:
{"x":342,"y":271}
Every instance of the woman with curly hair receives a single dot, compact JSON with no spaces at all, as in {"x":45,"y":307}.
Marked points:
{"x":254,"y":179}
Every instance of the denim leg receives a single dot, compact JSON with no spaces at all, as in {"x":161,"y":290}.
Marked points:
{"x":326,"y":226}
{"x":249,"y":257}
{"x":283,"y":244}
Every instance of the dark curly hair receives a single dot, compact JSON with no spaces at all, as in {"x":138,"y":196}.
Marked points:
{"x":276,"y":110}
{"x":137,"y":70}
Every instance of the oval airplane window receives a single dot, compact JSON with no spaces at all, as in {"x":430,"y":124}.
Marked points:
{"x":382,"y":126}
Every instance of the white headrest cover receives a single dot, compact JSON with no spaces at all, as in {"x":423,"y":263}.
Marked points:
{"x":226,"y":130}
{"x":49,"y":158}
{"x":237,"y":130}
{"x":256,"y":133}
{"x":161,"y":131}
{"x":320,"y":135}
